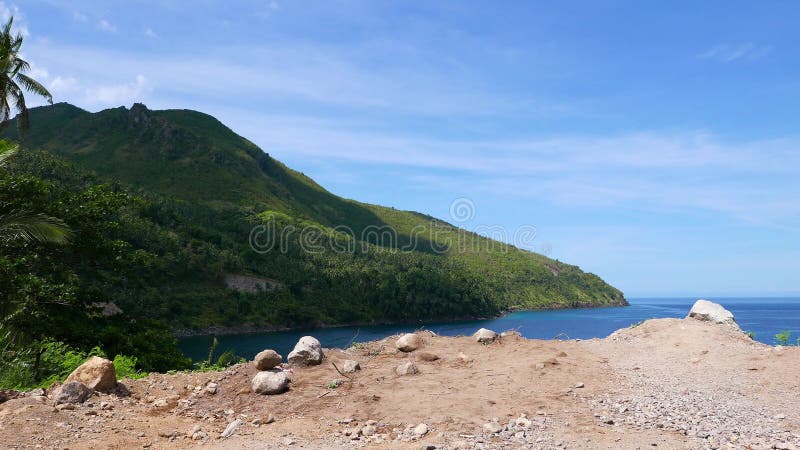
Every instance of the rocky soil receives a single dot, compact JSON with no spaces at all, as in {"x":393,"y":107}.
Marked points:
{"x":666,"y":383}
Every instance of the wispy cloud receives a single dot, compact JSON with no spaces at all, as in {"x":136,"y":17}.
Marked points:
{"x":313,"y":75}
{"x":6,"y":12}
{"x":107,"y":26}
{"x":150,"y":33}
{"x":752,"y":182}
{"x":78,"y":16}
{"x":727,"y":53}
{"x":99,"y":95}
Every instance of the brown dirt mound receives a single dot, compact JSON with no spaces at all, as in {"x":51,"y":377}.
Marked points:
{"x":667,"y":382}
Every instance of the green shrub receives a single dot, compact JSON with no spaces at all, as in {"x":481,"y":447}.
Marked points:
{"x":783,"y":337}
{"x":125,"y":367}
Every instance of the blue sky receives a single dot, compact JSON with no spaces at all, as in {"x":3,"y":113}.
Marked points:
{"x":653,"y":143}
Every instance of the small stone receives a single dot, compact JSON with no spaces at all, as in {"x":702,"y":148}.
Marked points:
{"x":351,"y":366}
{"x":464,"y":358}
{"x":211,"y":388}
{"x":492,"y":427}
{"x":65,"y":406}
{"x":199,"y":436}
{"x":421,"y":430}
{"x":425,"y":356}
{"x":779,"y":416}
{"x":579,"y":385}
{"x":408,"y":342}
{"x":539,"y":366}
{"x":407,"y":368}
{"x":523,"y":422}
{"x":368,"y":430}
{"x":166,"y":433}
{"x":231,"y":428}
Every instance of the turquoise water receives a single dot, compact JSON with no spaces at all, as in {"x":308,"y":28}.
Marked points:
{"x":763,"y":316}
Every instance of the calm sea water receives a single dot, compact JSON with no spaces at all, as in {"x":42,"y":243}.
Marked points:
{"x":763,"y":316}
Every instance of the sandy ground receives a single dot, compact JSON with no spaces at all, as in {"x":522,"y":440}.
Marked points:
{"x":667,"y":383}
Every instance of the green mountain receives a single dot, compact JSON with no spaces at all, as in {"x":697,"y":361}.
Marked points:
{"x":197,"y":191}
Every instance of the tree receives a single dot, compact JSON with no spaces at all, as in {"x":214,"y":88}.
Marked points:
{"x":13,"y":80}
{"x":25,"y":225}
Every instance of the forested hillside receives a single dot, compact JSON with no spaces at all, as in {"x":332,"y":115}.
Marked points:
{"x":163,"y":204}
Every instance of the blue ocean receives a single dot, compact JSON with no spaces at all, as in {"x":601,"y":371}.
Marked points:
{"x":764,"y":317}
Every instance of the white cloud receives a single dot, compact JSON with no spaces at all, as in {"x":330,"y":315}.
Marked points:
{"x":6,"y":12}
{"x":751,"y":182}
{"x":150,"y":33}
{"x":118,"y":94}
{"x":318,"y":75}
{"x":727,"y":53}
{"x":61,"y":86}
{"x":78,"y":16}
{"x":38,"y":73}
{"x":106,"y":26}
{"x":99,"y":95}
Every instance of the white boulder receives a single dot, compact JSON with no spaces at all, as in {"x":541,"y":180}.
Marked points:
{"x":485,"y":336}
{"x":409,"y":342}
{"x":711,"y":312}
{"x":270,"y":383}
{"x":307,"y":352}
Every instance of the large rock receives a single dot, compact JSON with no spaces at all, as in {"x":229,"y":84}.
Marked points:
{"x":307,"y":352}
{"x":711,"y":312}
{"x":485,"y":336}
{"x":72,"y":392}
{"x":270,"y":383}
{"x":97,"y":373}
{"x":267,"y":359}
{"x":409,"y":342}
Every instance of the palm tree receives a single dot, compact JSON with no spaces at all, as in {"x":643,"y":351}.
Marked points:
{"x":13,"y":80}
{"x":21,"y":225}
{"x":29,"y":226}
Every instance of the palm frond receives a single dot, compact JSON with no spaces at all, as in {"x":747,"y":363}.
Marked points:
{"x":34,"y":227}
{"x":34,"y":86}
{"x":7,"y":150}
{"x":13,"y":80}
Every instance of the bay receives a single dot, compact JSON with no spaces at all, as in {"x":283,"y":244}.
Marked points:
{"x":764,"y":317}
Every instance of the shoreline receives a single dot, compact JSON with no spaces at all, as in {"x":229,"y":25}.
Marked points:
{"x":662,"y":383}
{"x":247,"y":329}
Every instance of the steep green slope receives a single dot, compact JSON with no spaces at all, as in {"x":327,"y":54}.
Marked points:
{"x":223,"y":184}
